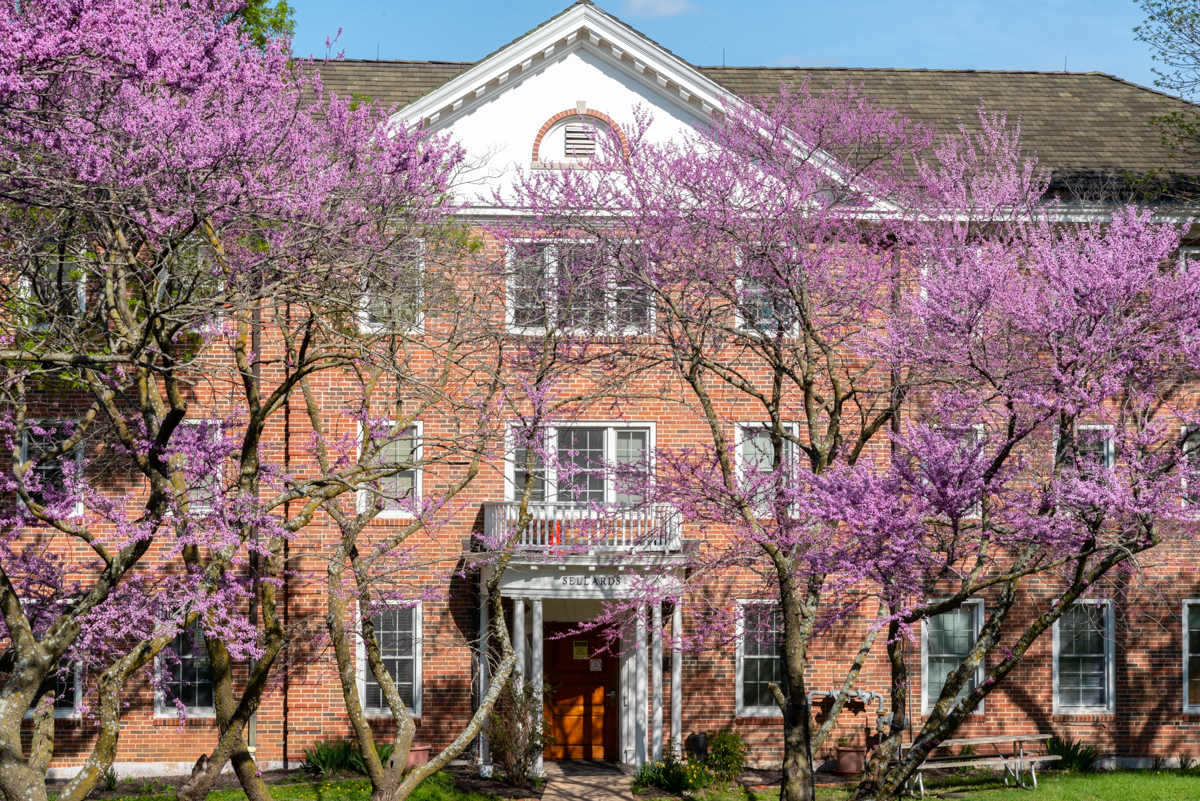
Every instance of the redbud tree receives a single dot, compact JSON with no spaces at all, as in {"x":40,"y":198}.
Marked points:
{"x":884,"y":333}
{"x":187,"y":237}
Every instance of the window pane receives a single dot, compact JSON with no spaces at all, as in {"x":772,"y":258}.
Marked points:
{"x":583,"y":281}
{"x":65,"y":689}
{"x":757,"y":452}
{"x":951,"y":637}
{"x":190,"y":678}
{"x":1095,"y":450}
{"x":403,"y":484}
{"x":632,"y":450}
{"x":51,"y":473}
{"x":581,"y":465}
{"x":1082,"y":657}
{"x":394,"y":633}
{"x":530,"y":285}
{"x":1193,"y":635}
{"x":631,"y":299}
{"x":762,"y":653}
{"x":521,"y":461}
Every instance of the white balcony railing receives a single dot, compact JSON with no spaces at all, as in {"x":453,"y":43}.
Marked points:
{"x":577,"y":528}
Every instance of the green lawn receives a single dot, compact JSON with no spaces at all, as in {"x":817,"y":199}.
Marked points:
{"x":1143,"y":785}
{"x":1126,"y":785}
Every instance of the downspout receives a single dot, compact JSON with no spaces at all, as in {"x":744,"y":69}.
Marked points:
{"x":287,"y":469}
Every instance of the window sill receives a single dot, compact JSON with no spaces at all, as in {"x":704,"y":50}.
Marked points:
{"x":751,"y":713}
{"x":202,"y":719}
{"x":386,"y":714}
{"x":1083,"y":716}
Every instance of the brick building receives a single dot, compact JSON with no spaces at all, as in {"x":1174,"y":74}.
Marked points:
{"x":521,"y":106}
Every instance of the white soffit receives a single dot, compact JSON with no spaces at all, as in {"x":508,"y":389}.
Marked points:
{"x":580,"y":27}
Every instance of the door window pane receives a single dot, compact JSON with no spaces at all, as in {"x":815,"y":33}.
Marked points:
{"x":951,"y":637}
{"x":1083,"y":657}
{"x":632,"y":452}
{"x":581,"y":465}
{"x":394,"y":632}
{"x":762,"y":653}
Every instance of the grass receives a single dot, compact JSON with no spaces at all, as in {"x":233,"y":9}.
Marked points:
{"x":1122,"y":785}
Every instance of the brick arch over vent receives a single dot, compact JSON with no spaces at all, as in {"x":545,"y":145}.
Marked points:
{"x":574,"y":112}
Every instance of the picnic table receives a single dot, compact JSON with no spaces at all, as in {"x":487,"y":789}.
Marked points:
{"x":1013,"y":760}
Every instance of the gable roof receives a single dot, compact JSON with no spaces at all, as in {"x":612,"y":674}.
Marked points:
{"x":1083,"y":126}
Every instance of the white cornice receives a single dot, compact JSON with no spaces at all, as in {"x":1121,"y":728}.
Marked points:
{"x":580,"y":27}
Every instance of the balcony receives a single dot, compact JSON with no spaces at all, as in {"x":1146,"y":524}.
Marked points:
{"x":578,"y":528}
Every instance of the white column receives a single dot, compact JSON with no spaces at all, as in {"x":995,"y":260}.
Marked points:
{"x":535,"y":668}
{"x":485,"y":758}
{"x":639,"y":708}
{"x":656,"y":697}
{"x":518,"y":633}
{"x":677,"y":679}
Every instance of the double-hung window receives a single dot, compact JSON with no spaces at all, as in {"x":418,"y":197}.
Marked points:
{"x":759,"y":658}
{"x":398,"y":485}
{"x":1191,"y":656}
{"x":763,"y":297}
{"x":394,"y":292}
{"x":186,"y":677}
{"x":1084,"y":659}
{"x":68,"y":692}
{"x":1191,"y":458}
{"x":398,"y":632}
{"x":205,"y":481}
{"x":587,"y":464}
{"x":38,"y":442}
{"x":1097,"y":452}
{"x":579,"y":285}
{"x":946,"y":639}
{"x":55,"y":297}
{"x":755,"y":462}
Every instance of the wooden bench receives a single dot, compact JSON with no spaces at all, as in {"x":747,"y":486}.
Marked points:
{"x":1015,"y":763}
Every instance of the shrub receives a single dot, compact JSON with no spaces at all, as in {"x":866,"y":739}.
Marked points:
{"x":110,"y":779}
{"x":673,"y":775}
{"x":325,"y":758}
{"x":1186,"y":762}
{"x":1075,"y":755}
{"x":726,"y":755}
{"x":359,"y":765}
{"x":514,"y":735}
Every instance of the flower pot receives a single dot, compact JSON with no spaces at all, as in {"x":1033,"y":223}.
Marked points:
{"x":418,"y":754}
{"x":851,"y":759}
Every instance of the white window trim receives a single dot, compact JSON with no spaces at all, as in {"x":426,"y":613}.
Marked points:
{"x":363,"y":667}
{"x":26,"y":290}
{"x":364,"y":320}
{"x":977,"y":610}
{"x":1110,"y":663}
{"x":552,"y":257}
{"x":512,"y":493}
{"x":1187,"y":255}
{"x":744,"y":711}
{"x":162,"y":709}
{"x":739,"y":439}
{"x":73,"y":713}
{"x":77,"y":510}
{"x":218,"y":434}
{"x":1188,"y":709}
{"x":1110,"y":447}
{"x":1184,"y":430}
{"x":363,"y":495}
{"x":740,"y":322}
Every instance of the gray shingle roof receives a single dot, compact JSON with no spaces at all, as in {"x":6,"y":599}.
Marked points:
{"x":1077,"y":123}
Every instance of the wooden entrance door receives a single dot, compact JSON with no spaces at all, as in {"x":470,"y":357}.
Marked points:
{"x":583,"y":711}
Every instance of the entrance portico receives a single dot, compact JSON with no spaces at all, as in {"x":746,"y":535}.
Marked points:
{"x":548,"y":593}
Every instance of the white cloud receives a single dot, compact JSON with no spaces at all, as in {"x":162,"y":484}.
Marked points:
{"x":656,"y":8}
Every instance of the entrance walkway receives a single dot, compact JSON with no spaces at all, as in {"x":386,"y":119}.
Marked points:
{"x":585,"y":780}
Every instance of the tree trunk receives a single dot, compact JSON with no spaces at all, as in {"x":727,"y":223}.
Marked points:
{"x":797,"y":784}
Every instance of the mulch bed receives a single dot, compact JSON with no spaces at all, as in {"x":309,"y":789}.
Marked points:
{"x":138,"y":785}
{"x":468,"y":780}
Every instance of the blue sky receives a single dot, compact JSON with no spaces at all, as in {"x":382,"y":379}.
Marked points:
{"x":1093,"y":35}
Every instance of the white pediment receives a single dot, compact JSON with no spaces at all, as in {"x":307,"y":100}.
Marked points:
{"x":583,"y":59}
